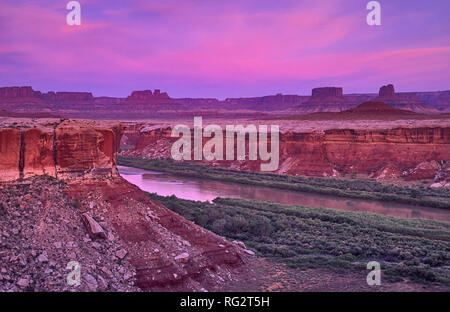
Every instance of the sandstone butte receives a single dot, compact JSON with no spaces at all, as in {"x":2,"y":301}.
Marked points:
{"x":146,"y":103}
{"x":83,"y":153}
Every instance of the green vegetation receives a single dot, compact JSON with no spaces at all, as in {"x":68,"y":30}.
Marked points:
{"x":354,"y":188}
{"x":305,"y":237}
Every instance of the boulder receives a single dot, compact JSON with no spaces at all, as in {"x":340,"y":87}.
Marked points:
{"x":240,"y":244}
{"x":121,"y":253}
{"x":182,"y":257}
{"x":23,"y":283}
{"x":94,"y":229}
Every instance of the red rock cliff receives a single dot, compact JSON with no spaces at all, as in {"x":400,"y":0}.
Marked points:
{"x":167,"y":251}
{"x":378,"y":153}
{"x":9,"y":154}
{"x":371,"y":152}
{"x":65,"y":150}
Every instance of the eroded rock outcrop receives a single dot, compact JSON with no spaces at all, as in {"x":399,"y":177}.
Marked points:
{"x":63,"y":150}
{"x":120,"y":222}
{"x":327,"y":99}
{"x":17,"y":92}
{"x":364,"y":151}
{"x":147,"y":97}
{"x":407,"y":101}
{"x":387,"y":91}
{"x":10,"y":154}
{"x":148,"y":103}
{"x":86,"y":149}
{"x":141,"y":95}
{"x":325,"y":92}
{"x":38,"y":151}
{"x":397,"y":153}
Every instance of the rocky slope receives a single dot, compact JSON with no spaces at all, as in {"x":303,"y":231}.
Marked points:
{"x":63,"y":200}
{"x":41,"y":233}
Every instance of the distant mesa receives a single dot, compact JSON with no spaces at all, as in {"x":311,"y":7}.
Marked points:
{"x":327,"y":92}
{"x":17,"y":92}
{"x":147,"y":95}
{"x":387,"y":91}
{"x":5,"y":113}
{"x":160,"y":94}
{"x":404,"y":101}
{"x":150,"y":103}
{"x":141,"y":95}
{"x":67,"y":96}
{"x":27,"y":100}
{"x":28,"y":93}
{"x":325,"y":99}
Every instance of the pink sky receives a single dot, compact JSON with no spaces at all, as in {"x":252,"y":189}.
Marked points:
{"x":224,"y":48}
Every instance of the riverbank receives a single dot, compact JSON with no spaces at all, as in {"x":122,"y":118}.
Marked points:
{"x":304,"y":238}
{"x":353,"y":188}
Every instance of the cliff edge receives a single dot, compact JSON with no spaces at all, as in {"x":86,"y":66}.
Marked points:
{"x":63,"y":199}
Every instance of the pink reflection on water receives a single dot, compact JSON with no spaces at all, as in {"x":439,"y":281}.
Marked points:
{"x":207,"y":190}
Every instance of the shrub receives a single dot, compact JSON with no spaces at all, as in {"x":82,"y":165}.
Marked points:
{"x":219,"y":226}
{"x":305,"y":237}
{"x":237,"y":224}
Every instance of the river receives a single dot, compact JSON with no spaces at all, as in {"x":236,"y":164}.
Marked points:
{"x":206,"y":190}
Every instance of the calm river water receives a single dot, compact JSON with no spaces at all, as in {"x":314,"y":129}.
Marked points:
{"x":206,"y":190}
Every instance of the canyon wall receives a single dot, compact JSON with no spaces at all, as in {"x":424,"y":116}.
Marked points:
{"x":9,"y":154}
{"x":389,"y":153}
{"x":63,"y":150}
{"x":407,"y":101}
{"x":399,"y":153}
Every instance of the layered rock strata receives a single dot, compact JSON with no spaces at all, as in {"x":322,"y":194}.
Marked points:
{"x":167,"y":251}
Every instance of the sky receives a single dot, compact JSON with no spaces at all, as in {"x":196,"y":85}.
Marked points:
{"x":232,"y":48}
